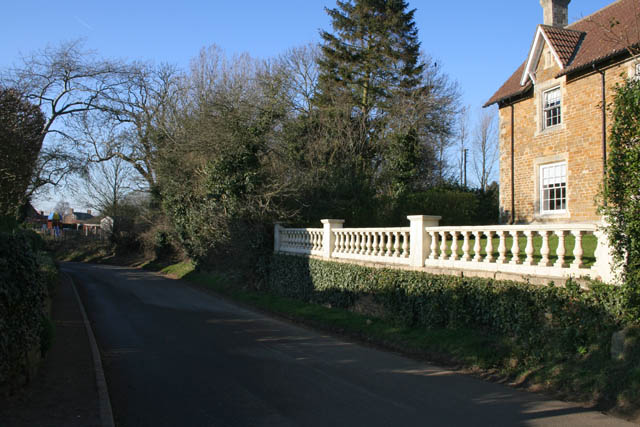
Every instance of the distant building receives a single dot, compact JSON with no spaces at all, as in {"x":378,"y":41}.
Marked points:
{"x":73,"y":217}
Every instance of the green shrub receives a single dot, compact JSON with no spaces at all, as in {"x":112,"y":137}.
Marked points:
{"x":456,"y":206}
{"x":542,"y":320}
{"x":622,"y":204}
{"x":25,"y":275}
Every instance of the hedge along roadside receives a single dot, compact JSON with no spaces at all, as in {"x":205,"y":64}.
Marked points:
{"x":27,"y":276}
{"x":543,"y":321}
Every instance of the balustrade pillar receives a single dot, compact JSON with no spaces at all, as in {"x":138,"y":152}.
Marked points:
{"x":604,"y":266}
{"x":420,"y":241}
{"x":277,"y":228}
{"x":328,"y":237}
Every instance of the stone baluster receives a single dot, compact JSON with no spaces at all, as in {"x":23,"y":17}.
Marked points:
{"x":405,"y":244}
{"x":502,"y":248}
{"x":388,"y":243}
{"x":529,"y":248}
{"x":515,"y":248}
{"x":352,"y":242}
{"x":396,"y":244}
{"x":577,"y":249}
{"x":454,"y":245}
{"x":358,"y":249}
{"x":466,"y":256}
{"x":489,"y":247}
{"x":544,"y":249}
{"x":367,"y":243}
{"x":434,"y":245}
{"x":374,"y":244}
{"x":561,"y":251}
{"x":476,"y":246}
{"x":443,"y":245}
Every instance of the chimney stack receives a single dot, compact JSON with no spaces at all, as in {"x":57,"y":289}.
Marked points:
{"x":556,"y":12}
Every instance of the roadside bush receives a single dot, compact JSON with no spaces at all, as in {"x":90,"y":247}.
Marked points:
{"x":543,"y":320}
{"x":622,"y":204}
{"x":25,"y":275}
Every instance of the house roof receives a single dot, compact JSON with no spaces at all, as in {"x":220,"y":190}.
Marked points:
{"x":580,"y":45}
{"x":563,"y":41}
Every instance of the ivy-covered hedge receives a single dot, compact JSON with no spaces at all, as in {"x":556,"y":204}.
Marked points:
{"x":26,"y":275}
{"x":539,"y":318}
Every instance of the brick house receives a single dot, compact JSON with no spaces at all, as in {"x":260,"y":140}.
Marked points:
{"x":76,"y":218}
{"x":553,"y":120}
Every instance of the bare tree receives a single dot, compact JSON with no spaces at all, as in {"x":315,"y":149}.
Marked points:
{"x":485,"y":147}
{"x":135,"y":118}
{"x":441,"y":145}
{"x":62,"y":207}
{"x":462,"y":133}
{"x":107,"y":185}
{"x":300,"y":68}
{"x":64,"y":81}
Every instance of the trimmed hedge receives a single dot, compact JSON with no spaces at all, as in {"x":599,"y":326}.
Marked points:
{"x":540,"y":319}
{"x":25,"y":275}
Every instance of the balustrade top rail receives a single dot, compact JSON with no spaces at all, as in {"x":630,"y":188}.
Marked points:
{"x":371,"y":230}
{"x":532,"y":227}
{"x":550,"y":250}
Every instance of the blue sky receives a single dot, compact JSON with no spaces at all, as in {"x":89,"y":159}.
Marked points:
{"x":477,"y":43}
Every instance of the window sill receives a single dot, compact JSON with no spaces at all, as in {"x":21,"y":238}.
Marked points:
{"x":552,"y":215}
{"x":550,"y":130}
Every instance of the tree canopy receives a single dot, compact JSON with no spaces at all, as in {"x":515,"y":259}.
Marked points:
{"x":21,"y":126}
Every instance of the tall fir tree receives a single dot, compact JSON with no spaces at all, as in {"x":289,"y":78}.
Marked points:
{"x":370,"y":76}
{"x":373,"y":54}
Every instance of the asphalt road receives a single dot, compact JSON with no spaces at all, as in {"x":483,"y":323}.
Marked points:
{"x":176,"y":356}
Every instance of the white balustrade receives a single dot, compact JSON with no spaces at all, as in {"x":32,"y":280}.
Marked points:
{"x":386,"y":245}
{"x":495,"y":248}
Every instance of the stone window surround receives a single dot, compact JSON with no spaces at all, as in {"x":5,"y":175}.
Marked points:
{"x":537,"y":211}
{"x":540,"y":89}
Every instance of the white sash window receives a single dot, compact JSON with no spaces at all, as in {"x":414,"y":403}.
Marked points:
{"x":551,"y":107}
{"x":553,"y":188}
